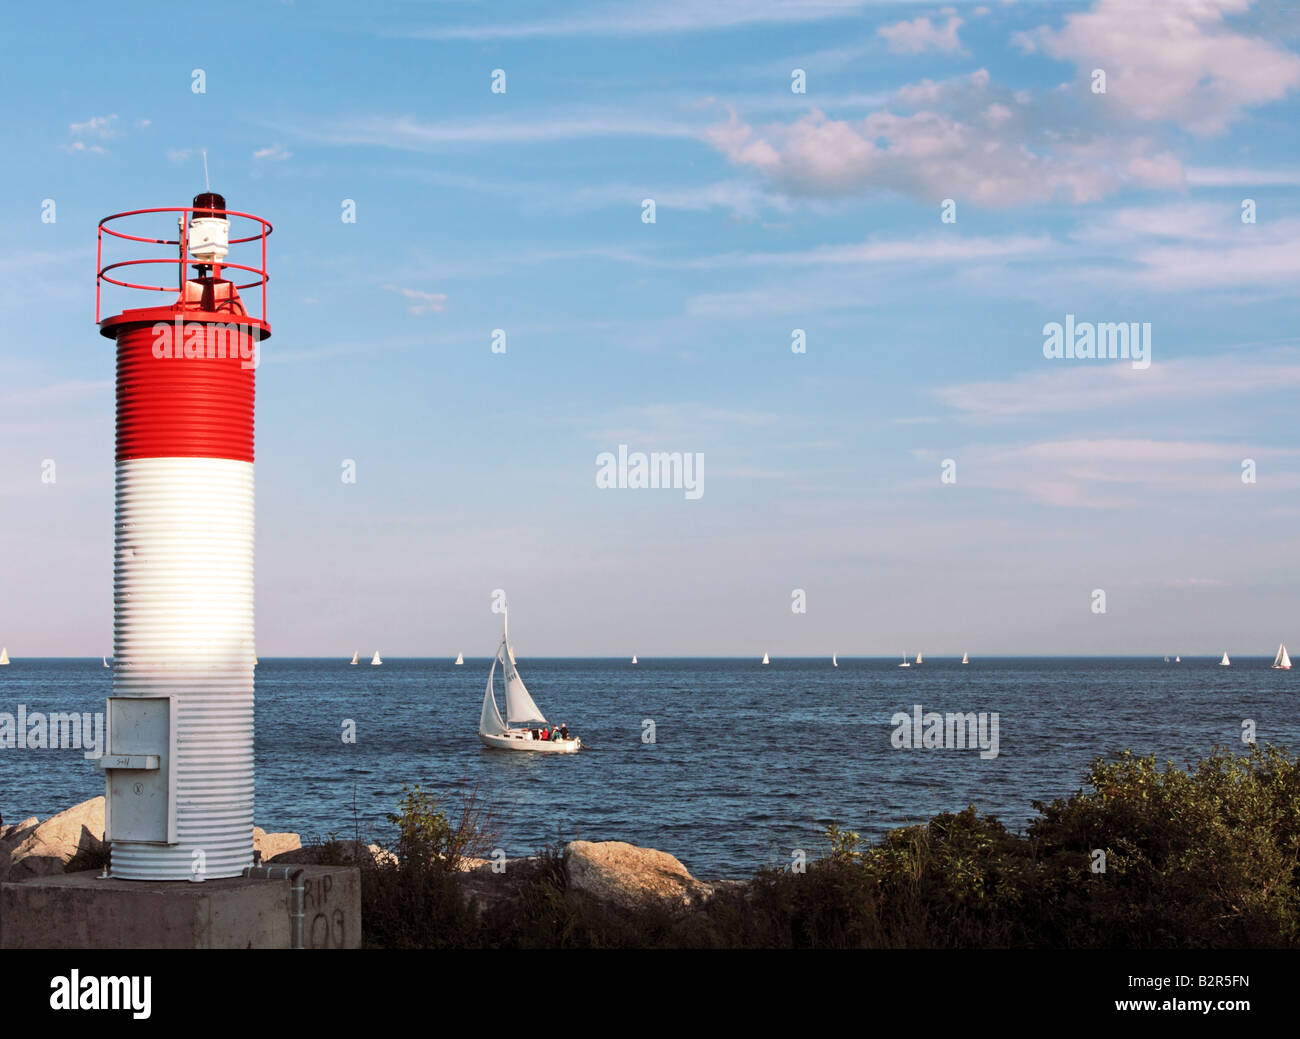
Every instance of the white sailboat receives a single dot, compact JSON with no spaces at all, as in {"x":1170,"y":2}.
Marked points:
{"x":375,"y":661}
{"x":965,"y":658}
{"x":460,"y":659}
{"x":522,"y":727}
{"x":834,"y":662}
{"x":1282,"y":662}
{"x":356,"y":656}
{"x":105,"y":660}
{"x":1166,"y":658}
{"x":634,"y":658}
{"x":904,"y":663}
{"x":765,"y":660}
{"x":4,"y":656}
{"x":1225,"y":662}
{"x":919,"y":660}
{"x":1178,"y":660}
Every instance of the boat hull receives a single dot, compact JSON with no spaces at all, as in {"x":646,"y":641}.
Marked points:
{"x":522,"y":739}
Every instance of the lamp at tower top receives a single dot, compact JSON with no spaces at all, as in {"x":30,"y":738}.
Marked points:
{"x":210,"y":238}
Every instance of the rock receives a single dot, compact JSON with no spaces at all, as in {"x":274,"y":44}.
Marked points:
{"x":18,"y":832}
{"x":629,"y":877}
{"x":489,"y":887}
{"x":47,"y":848}
{"x":10,"y":839}
{"x":273,"y":844}
{"x":345,"y":853}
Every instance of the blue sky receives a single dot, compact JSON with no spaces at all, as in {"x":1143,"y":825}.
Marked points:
{"x":775,"y":210}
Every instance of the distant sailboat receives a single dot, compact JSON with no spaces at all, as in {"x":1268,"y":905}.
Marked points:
{"x":355,"y":656}
{"x":834,"y":662}
{"x":634,"y":658}
{"x":1178,"y":660}
{"x":1166,"y":658}
{"x":765,"y":660}
{"x":375,"y":661}
{"x":919,"y":660}
{"x":105,"y":660}
{"x":4,"y":657}
{"x":460,"y":659}
{"x":904,"y":663}
{"x":1225,"y":662}
{"x":965,"y":658}
{"x":1282,"y":662}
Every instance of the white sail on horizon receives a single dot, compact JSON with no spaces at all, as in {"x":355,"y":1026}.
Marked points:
{"x":460,"y":658}
{"x":965,"y":658}
{"x":375,"y":661}
{"x":765,"y":660}
{"x":834,"y":662}
{"x":919,"y":659}
{"x":1225,"y":662}
{"x":356,"y":656}
{"x":4,"y":656}
{"x":1283,"y":660}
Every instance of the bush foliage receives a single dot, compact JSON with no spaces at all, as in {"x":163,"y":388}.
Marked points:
{"x":1141,"y":857}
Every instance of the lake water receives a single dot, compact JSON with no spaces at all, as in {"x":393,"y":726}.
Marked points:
{"x":748,"y":762}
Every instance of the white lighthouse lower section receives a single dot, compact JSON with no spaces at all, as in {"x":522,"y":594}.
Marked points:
{"x":183,"y":629}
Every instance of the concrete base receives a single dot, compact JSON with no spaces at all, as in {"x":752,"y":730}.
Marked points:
{"x":81,"y":911}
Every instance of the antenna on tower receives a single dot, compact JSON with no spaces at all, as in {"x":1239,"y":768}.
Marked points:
{"x":207,"y":184}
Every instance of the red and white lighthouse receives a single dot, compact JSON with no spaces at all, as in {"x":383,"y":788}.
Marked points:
{"x":178,"y":763}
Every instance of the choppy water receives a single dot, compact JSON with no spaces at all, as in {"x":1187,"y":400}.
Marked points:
{"x":748,"y":761}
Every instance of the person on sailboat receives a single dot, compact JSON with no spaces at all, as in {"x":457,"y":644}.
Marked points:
{"x":564,"y":731}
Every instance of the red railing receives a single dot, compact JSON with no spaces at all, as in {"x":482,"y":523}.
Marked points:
{"x":182,"y":259}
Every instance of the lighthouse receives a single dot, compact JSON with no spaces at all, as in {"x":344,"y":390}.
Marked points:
{"x":178,"y":760}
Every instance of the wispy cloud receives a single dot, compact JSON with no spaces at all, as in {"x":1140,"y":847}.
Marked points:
{"x":675,"y":16}
{"x":421,"y":302}
{"x":1092,"y":386}
{"x":401,"y":132}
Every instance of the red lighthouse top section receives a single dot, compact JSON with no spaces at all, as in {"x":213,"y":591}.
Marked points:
{"x":203,"y":241}
{"x":186,"y":366}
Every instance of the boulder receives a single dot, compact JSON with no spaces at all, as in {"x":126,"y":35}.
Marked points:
{"x":345,"y":853}
{"x":488,"y":886}
{"x":10,"y":838}
{"x":49,"y":847}
{"x":273,"y":844}
{"x":629,"y":877}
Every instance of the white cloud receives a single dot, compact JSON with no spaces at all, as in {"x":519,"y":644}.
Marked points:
{"x":920,"y":34}
{"x":274,"y":153}
{"x":101,"y":126}
{"x":421,"y":302}
{"x":1176,"y":61}
{"x":966,"y":142}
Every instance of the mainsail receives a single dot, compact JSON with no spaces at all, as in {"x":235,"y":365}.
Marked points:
{"x":489,"y":722}
{"x":520,"y":709}
{"x":1282,"y":661}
